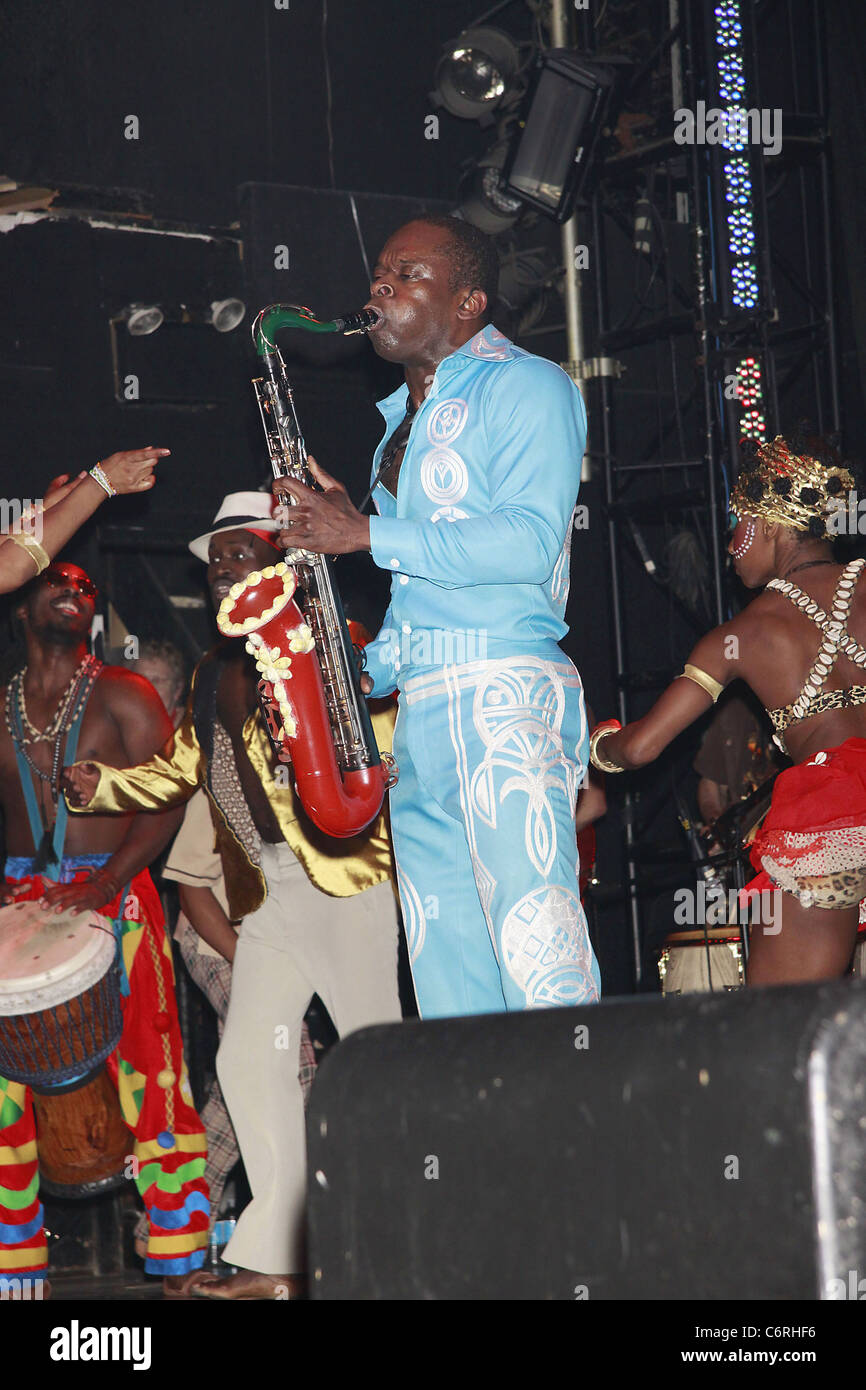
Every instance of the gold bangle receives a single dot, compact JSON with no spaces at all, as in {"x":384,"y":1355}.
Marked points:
{"x":603,"y":764}
{"x":37,"y":553}
{"x":707,"y":683}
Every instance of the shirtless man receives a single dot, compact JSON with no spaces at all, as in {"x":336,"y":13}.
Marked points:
{"x":97,"y":864}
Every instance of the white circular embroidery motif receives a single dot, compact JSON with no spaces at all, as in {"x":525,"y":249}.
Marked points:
{"x":546,"y":948}
{"x":444,"y":476}
{"x":446,"y":421}
{"x":449,"y":514}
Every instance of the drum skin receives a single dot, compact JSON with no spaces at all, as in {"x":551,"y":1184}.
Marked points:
{"x":83,"y":1142}
{"x":60,"y":1018}
{"x":60,"y":1015}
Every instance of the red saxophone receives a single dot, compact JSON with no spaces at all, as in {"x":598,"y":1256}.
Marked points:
{"x":292,"y":618}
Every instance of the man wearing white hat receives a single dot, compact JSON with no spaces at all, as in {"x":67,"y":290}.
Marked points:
{"x":319,"y":915}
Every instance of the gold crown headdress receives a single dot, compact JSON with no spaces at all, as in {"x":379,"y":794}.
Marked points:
{"x":797,"y":491}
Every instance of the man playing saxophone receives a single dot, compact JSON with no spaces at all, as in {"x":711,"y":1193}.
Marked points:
{"x":319,"y":915}
{"x":475,"y":482}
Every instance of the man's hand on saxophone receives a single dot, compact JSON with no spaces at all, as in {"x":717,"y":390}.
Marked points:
{"x":325,"y":522}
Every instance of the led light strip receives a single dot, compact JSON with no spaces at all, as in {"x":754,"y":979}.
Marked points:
{"x":737,"y":173}
{"x":739,"y":199}
{"x":753,"y":424}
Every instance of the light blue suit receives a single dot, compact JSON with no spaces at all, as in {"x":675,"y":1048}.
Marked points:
{"x":491,"y":737}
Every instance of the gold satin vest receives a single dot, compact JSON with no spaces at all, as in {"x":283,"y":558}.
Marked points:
{"x":339,"y":868}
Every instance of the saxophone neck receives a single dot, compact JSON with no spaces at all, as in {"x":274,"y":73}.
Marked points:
{"x":275,"y":317}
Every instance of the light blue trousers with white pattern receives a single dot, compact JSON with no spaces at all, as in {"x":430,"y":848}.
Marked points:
{"x":491,"y":755}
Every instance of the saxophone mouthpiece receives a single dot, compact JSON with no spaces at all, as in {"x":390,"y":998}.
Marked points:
{"x":361,"y":322}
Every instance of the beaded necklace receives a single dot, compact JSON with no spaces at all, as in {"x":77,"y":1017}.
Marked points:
{"x":57,"y":721}
{"x":72,"y":700}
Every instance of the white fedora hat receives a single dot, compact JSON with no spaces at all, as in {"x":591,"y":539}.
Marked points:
{"x":239,"y":511}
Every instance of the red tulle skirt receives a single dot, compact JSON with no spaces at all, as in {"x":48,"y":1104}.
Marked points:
{"x":812,"y":842}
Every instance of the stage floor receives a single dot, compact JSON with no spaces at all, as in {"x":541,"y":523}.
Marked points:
{"x":126,"y":1287}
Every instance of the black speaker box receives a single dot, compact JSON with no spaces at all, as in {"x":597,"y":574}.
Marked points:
{"x":706,"y":1147}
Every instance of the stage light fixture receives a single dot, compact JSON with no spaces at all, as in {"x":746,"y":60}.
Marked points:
{"x":226,"y":314}
{"x":563,"y":116}
{"x":142,"y":319}
{"x":485,"y":202}
{"x":475,"y":73}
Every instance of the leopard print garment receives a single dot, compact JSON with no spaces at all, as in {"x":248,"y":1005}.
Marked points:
{"x":226,"y":786}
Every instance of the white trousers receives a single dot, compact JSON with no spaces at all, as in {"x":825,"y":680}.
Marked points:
{"x":299,"y":943}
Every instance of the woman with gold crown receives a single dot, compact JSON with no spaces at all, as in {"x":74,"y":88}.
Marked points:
{"x":798,"y":645}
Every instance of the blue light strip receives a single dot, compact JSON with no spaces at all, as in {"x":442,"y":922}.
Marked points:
{"x":737,"y":174}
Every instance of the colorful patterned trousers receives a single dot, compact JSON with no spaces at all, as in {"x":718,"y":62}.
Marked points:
{"x":149,"y":1071}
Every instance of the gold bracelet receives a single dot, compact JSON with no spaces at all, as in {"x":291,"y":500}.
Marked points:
{"x":603,"y":764}
{"x":37,"y":553}
{"x":707,"y":683}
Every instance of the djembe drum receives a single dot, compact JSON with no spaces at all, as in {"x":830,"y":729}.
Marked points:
{"x":701,"y":961}
{"x":60,"y":1019}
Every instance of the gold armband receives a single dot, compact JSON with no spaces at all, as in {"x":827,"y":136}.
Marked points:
{"x":707,"y":683}
{"x":597,"y":759}
{"x":38,"y":555}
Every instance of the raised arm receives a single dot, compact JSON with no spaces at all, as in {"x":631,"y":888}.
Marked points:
{"x":67,"y":505}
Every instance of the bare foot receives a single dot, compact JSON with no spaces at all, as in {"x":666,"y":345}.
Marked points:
{"x":183,"y":1285}
{"x":249,"y":1284}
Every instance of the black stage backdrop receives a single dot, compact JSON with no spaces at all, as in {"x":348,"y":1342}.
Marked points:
{"x":252,"y":124}
{"x":846,"y":59}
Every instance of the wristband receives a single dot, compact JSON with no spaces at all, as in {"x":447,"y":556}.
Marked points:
{"x":98,"y":474}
